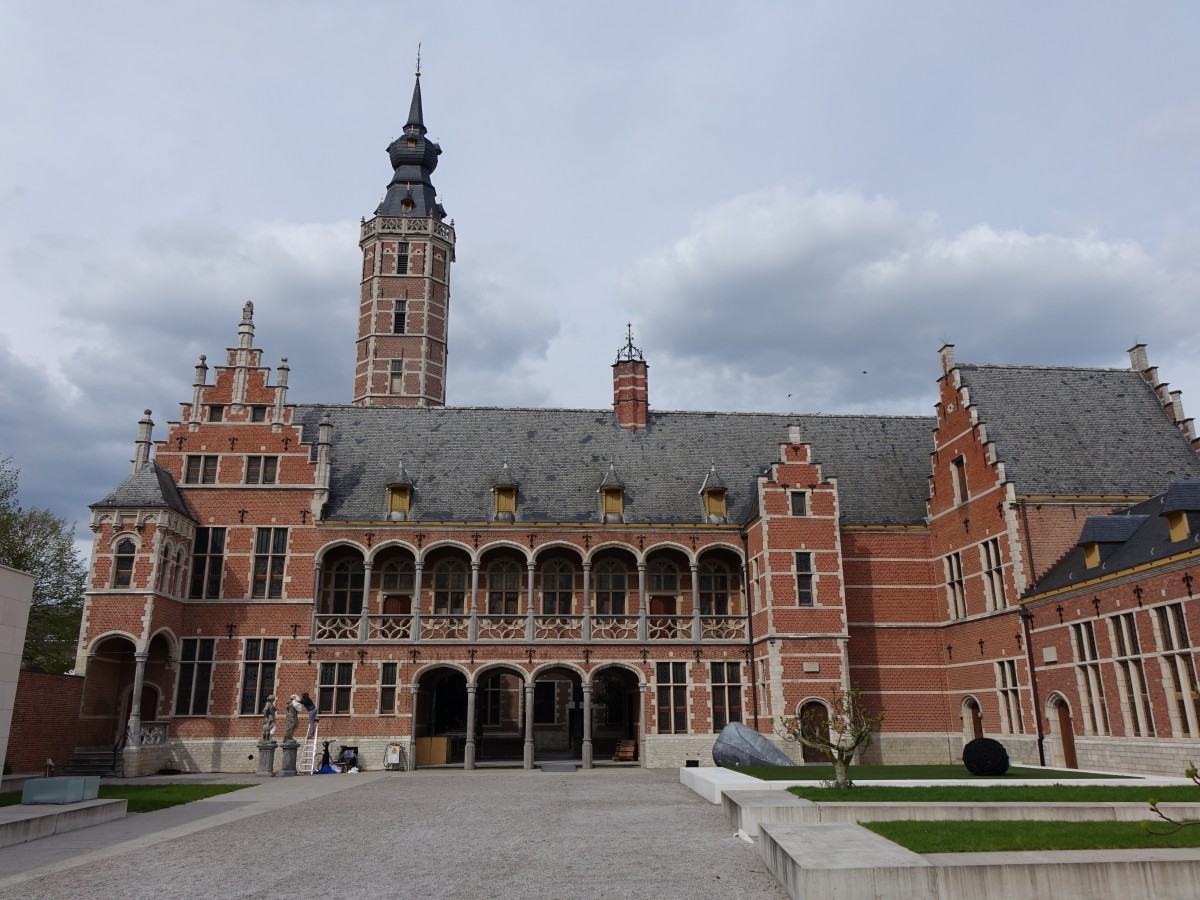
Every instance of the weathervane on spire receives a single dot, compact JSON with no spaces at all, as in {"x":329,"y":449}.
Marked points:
{"x":629,"y":351}
{"x":418,"y":59}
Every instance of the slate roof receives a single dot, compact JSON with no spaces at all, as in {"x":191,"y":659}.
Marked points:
{"x":1149,"y":541}
{"x":1110,"y":529}
{"x":151,"y":485}
{"x":558,"y":457}
{"x":1183,"y":495}
{"x":1076,"y":431}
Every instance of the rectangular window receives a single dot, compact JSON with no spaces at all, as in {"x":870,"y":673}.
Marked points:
{"x":804,"y":579}
{"x":387,"y":688}
{"x":1131,"y":675}
{"x":545,"y":703}
{"x":1009,"y":693}
{"x":216,"y":414}
{"x":506,"y":499}
{"x":1088,"y":679}
{"x":402,"y":258}
{"x":799,"y":500}
{"x":398,"y":320}
{"x":270,"y":556}
{"x":258,"y":414}
{"x":261,"y":469}
{"x":200,"y":470}
{"x":956,"y":599}
{"x":958,"y":468}
{"x":1178,"y":669}
{"x":195,"y":676}
{"x":335,"y":681}
{"x":993,"y":573}
{"x":258,"y":673}
{"x":726,"y":694}
{"x":672,"y":697}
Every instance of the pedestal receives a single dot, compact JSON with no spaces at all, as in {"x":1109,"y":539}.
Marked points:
{"x":289,"y":758}
{"x":266,"y":758}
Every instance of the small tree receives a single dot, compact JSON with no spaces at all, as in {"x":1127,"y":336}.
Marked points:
{"x":1191,"y":773}
{"x":847,"y":730}
{"x":38,"y":542}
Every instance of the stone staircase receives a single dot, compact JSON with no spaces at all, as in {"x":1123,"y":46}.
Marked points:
{"x":96,"y":762}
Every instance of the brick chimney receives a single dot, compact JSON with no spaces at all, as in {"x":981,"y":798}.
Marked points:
{"x":631,"y":394}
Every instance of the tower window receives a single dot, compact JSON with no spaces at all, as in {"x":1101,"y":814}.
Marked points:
{"x":402,"y":247}
{"x":396,"y":380}
{"x":799,"y":503}
{"x":123,"y":563}
{"x":398,"y":323}
{"x":804,"y":579}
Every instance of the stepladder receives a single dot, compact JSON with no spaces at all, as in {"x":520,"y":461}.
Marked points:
{"x":308,"y":762}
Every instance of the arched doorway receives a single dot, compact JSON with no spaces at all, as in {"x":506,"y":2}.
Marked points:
{"x":557,"y":714}
{"x":820,"y":718}
{"x":615,"y":696}
{"x":499,"y":719}
{"x":440,"y":717}
{"x":972,"y":718}
{"x":1062,"y":726}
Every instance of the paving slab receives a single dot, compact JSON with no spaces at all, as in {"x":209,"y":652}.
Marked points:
{"x":627,"y":833}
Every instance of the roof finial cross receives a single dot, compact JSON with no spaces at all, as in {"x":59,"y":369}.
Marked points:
{"x":629,"y":351}
{"x":418,"y":59}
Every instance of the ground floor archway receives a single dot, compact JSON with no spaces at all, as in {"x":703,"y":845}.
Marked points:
{"x":440,"y":717}
{"x":615,"y":704}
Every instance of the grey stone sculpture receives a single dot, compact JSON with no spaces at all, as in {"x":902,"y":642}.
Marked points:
{"x":268,"y":723}
{"x":738,"y":745}
{"x":291,"y":717}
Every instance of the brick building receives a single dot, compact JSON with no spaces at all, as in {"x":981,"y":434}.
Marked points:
{"x":517,"y":585}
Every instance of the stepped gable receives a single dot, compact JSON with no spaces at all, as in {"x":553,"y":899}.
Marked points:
{"x":1078,"y":432}
{"x":882,"y":462}
{"x":151,"y":485}
{"x":1146,"y":538}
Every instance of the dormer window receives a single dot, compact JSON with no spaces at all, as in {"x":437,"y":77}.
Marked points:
{"x":406,"y":204}
{"x":714,"y":504}
{"x":506,"y":502}
{"x":612,"y":503}
{"x":1091,"y":554}
{"x":1177,"y":523}
{"x":399,"y":501}
{"x":412,"y":141}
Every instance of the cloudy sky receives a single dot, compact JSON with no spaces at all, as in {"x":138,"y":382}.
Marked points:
{"x":795,"y":203}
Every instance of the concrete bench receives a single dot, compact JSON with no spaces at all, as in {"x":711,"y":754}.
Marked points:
{"x":63,"y":789}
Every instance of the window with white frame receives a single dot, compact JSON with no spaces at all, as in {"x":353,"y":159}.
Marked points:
{"x":258,"y":673}
{"x":270,"y":558}
{"x":334,"y":684}
{"x":1178,"y":669}
{"x":1131,"y":675}
{"x":126,"y":552}
{"x":798,"y":503}
{"x":956,"y":598}
{"x":208,"y":561}
{"x":1009,"y":693}
{"x":195,"y":676}
{"x":387,"y":687}
{"x":672,"y":697}
{"x":958,"y":469}
{"x":726,"y":693}
{"x":804,"y":579}
{"x":1088,"y":679}
{"x":993,"y":573}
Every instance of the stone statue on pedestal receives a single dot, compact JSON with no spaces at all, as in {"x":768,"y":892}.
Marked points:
{"x":268,"y":723}
{"x":291,"y":714}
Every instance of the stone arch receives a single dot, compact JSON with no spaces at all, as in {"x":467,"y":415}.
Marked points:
{"x":719,"y":570}
{"x":614,"y":547}
{"x":342,"y":584}
{"x":821,"y":710}
{"x":439,"y":548}
{"x":667,"y":546}
{"x":971,"y":712}
{"x":389,"y":545}
{"x":338,"y":545}
{"x":1062,"y":731}
{"x":617,"y":695}
{"x":439,"y":715}
{"x":499,"y":731}
{"x":614,"y":580}
{"x":493,"y":548}
{"x":557,"y":711}
{"x":393,"y":586}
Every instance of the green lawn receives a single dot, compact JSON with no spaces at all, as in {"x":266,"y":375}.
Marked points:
{"x":1007,"y":793}
{"x":904,"y":773}
{"x":148,"y":797}
{"x":968,"y":837}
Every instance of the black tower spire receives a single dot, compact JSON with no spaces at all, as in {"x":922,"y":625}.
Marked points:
{"x":413,"y":157}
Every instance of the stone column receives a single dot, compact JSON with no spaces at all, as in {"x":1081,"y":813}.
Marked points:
{"x":697,"y":632}
{"x":418,"y":568}
{"x":587,"y":601}
{"x":587,"y":724}
{"x":643,"y":690}
{"x":529,"y":690}
{"x":412,"y":727}
{"x":641,"y":601}
{"x":473,"y":626}
{"x":530,"y":627}
{"x":317,"y":571}
{"x":135,"y":700}
{"x":266,"y":758}
{"x":364,"y":623}
{"x":469,"y":749}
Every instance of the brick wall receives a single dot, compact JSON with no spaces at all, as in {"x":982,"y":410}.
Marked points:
{"x":45,"y":720}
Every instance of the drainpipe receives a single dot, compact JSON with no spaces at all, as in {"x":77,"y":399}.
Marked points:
{"x":1027,"y":625}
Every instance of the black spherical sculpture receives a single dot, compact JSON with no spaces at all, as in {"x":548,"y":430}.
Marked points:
{"x":984,"y":756}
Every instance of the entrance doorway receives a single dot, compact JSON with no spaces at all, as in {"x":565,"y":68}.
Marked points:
{"x":1062,"y":723}
{"x":440,"y":717}
{"x":499,"y":719}
{"x":557,"y":714}
{"x":820,"y":718}
{"x":614,"y":710}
